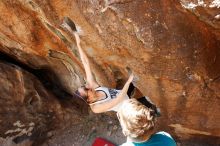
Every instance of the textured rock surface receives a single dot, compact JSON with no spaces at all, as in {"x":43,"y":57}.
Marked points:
{"x":207,"y":11}
{"x":173,"y":49}
{"x":27,"y":108}
{"x":30,"y":114}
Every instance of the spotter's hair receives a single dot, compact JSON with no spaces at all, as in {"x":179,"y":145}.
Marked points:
{"x":135,"y":118}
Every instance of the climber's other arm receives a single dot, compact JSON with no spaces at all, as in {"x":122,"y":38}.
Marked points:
{"x":91,"y":82}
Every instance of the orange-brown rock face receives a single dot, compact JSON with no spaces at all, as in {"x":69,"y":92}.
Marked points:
{"x":172,"y":47}
{"x":28,"y":111}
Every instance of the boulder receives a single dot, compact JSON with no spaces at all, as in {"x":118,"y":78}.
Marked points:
{"x":172,"y":47}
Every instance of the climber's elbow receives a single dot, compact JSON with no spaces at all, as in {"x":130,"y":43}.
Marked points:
{"x":97,"y":109}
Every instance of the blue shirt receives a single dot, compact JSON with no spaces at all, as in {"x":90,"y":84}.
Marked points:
{"x":158,"y":139}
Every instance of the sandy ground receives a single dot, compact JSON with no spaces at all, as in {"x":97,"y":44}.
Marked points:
{"x":84,"y":132}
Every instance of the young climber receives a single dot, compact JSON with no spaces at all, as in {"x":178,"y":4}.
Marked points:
{"x":137,"y":122}
{"x":101,"y":99}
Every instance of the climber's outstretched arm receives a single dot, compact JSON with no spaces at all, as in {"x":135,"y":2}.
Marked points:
{"x":103,"y":107}
{"x":91,"y":82}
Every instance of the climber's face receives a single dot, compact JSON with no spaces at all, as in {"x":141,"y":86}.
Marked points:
{"x":87,"y":94}
{"x":82,"y":93}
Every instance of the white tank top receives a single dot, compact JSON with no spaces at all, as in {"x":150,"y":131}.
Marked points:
{"x":110,"y":94}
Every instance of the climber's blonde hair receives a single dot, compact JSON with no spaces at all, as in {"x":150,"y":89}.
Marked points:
{"x":135,"y":118}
